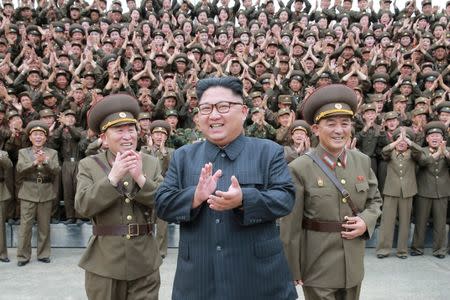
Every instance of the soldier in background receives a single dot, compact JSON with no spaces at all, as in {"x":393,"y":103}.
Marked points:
{"x":300,"y":133}
{"x":6,"y":193}
{"x":433,"y":192}
{"x":37,"y":168}
{"x":156,"y":147}
{"x":68,"y":136}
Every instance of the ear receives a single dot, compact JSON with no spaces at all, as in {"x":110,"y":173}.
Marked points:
{"x":315,"y":129}
{"x":244,"y":112}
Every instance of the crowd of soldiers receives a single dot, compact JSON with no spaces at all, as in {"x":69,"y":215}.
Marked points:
{"x":59,"y":57}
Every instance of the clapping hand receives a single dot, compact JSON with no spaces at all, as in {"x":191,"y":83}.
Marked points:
{"x":207,"y":184}
{"x":227,"y":200}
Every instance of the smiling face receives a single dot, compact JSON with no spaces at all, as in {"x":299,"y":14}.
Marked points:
{"x":120,"y":138}
{"x":222,"y":128}
{"x":38,"y":138}
{"x":434,"y":139}
{"x":333,"y":133}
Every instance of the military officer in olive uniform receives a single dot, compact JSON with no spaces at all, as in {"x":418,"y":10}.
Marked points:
{"x":433,"y":192}
{"x":6,"y":190}
{"x":115,"y":190}
{"x":159,"y":131}
{"x":36,"y":169}
{"x":324,"y":235}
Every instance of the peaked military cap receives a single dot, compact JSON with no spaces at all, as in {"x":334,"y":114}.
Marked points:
{"x":301,"y":125}
{"x":435,"y":126}
{"x":330,"y":100}
{"x":171,"y":112}
{"x":283,"y":111}
{"x":160,"y":126}
{"x":113,"y":110}
{"x":36,"y":125}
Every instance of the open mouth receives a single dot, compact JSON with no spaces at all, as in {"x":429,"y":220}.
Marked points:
{"x":216,"y":125}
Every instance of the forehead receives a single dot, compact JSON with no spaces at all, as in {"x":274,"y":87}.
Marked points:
{"x":333,"y":119}
{"x":121,"y":127}
{"x":217,"y":94}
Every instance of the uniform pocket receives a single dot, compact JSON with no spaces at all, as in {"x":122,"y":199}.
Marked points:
{"x":362,"y":186}
{"x":268,"y":248}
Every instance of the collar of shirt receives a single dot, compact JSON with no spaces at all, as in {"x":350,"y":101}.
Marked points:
{"x":232,"y":150}
{"x":330,"y":160}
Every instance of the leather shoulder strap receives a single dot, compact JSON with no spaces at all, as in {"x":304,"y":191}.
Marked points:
{"x":334,"y":180}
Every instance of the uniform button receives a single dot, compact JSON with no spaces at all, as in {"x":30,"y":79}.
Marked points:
{"x":437,"y":170}
{"x":343,"y":181}
{"x":125,"y":183}
{"x":339,"y":164}
{"x":217,"y":221}
{"x":437,"y":176}
{"x":401,"y":171}
{"x":129,"y":218}
{"x":128,"y":236}
{"x":344,"y":200}
{"x":218,"y":248}
{"x":222,"y":155}
{"x":127,"y":200}
{"x":400,"y":165}
{"x":401,"y":177}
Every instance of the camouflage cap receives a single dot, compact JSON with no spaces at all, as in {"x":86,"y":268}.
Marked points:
{"x":171,"y":112}
{"x":283,"y":111}
{"x":285,"y":99}
{"x":143,"y":116}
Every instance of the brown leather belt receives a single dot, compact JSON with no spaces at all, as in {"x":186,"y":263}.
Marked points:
{"x":38,"y":179}
{"x":125,"y":229}
{"x":322,"y":226}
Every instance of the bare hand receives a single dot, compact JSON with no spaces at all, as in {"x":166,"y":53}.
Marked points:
{"x":207,"y":184}
{"x":354,"y":226}
{"x":227,"y":200}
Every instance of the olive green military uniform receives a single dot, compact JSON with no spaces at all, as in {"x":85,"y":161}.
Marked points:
{"x":36,"y":194}
{"x":398,"y":195}
{"x":69,"y":137}
{"x":6,"y":189}
{"x":330,"y":266}
{"x":432,"y":196}
{"x":164,"y":159}
{"x":122,"y":258}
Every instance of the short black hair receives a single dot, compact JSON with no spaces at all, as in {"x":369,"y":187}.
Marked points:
{"x":232,"y":83}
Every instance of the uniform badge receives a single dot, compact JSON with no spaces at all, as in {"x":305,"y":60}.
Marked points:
{"x":360,"y":178}
{"x":338,"y":106}
{"x":319,"y":182}
{"x":122,"y":114}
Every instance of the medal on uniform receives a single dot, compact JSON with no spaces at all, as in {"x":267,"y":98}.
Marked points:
{"x":319,"y":182}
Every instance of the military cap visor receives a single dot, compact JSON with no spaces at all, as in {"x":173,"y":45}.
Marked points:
{"x":301,"y":125}
{"x":330,"y":100}
{"x":113,"y":110}
{"x":160,"y":126}
{"x":435,"y":127}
